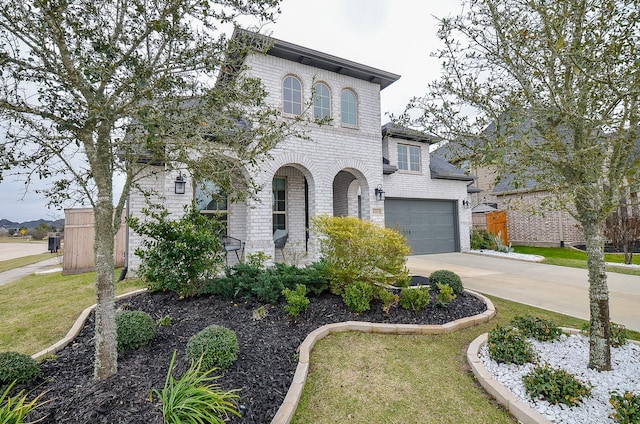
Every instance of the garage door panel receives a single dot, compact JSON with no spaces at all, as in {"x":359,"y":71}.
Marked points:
{"x":430,"y":226}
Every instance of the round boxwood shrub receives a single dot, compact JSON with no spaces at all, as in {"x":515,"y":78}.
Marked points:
{"x":216,"y":345}
{"x":450,"y":278}
{"x":17,"y":367}
{"x":134,"y":329}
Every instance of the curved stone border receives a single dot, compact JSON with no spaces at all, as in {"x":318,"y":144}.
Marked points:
{"x":77,"y":326}
{"x":519,"y":409}
{"x":288,"y":407}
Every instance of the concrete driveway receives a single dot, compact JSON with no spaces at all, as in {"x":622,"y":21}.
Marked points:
{"x":17,"y":249}
{"x":556,"y":288}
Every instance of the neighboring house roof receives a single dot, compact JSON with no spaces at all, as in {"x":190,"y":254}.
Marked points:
{"x":314,"y":58}
{"x":392,"y":130}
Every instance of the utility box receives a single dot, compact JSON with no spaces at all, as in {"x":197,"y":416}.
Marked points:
{"x":54,"y":242}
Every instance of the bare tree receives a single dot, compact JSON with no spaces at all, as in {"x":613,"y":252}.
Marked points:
{"x":559,"y":82}
{"x":94,"y":89}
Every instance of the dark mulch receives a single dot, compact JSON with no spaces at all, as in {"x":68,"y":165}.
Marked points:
{"x":265,"y":366}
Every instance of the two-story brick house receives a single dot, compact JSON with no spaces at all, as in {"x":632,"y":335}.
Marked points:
{"x":348,"y":167}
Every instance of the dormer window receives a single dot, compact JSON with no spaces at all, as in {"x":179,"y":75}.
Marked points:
{"x":348,"y":107}
{"x":292,"y":96}
{"x":321,"y":101}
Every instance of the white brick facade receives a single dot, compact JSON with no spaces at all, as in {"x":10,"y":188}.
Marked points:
{"x":341,"y":164}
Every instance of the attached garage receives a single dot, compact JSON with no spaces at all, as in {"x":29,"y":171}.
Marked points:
{"x":430,"y":226}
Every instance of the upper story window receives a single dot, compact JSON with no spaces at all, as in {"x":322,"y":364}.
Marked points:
{"x":408,"y":158}
{"x":348,"y":107}
{"x":292,"y":96}
{"x":321,"y":101}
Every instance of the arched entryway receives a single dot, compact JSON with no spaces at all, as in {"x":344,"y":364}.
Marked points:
{"x":350,"y":188}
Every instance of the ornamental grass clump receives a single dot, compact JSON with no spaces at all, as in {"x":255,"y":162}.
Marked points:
{"x":134,"y":329}
{"x":509,"y":345}
{"x":213,"y":347}
{"x":17,"y":367}
{"x":195,"y":398}
{"x":13,"y":409}
{"x":539,"y":328}
{"x":555,"y":386}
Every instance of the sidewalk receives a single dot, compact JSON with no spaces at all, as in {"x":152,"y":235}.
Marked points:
{"x":556,"y":288}
{"x":11,"y":275}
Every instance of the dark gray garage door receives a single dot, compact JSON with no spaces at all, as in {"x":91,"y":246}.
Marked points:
{"x":430,"y":226}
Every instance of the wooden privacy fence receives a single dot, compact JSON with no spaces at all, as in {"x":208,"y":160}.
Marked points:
{"x":79,"y":235}
{"x":493,"y":222}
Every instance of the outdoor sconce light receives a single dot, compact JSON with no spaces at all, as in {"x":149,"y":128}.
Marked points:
{"x":180,"y":184}
{"x":379,"y":192}
{"x":466,"y":203}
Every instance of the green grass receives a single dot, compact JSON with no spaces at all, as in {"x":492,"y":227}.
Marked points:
{"x":575,"y":258}
{"x":376,"y":378}
{"x":25,"y":260}
{"x":38,"y":310}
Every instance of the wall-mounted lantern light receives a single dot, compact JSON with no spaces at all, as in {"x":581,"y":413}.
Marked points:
{"x":180,"y":184}
{"x":379,"y":192}
{"x":466,"y":204}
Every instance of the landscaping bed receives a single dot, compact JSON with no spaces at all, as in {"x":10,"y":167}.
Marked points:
{"x":266,"y":362}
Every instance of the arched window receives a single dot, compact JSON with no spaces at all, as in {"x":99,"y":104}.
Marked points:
{"x":348,"y":107}
{"x":292,"y":96}
{"x":321,"y":101}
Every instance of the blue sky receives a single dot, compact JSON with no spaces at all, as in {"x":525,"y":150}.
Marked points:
{"x":396,"y":36}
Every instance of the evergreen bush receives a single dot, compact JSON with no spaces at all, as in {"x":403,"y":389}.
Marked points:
{"x":357,"y":296}
{"x":510,"y":346}
{"x":215,"y":347}
{"x":134,"y":329}
{"x":450,"y":278}
{"x":539,"y":328}
{"x":17,"y":367}
{"x":297,"y":301}
{"x":555,"y":386}
{"x":445,"y":295}
{"x":415,"y":298}
{"x":626,"y":407}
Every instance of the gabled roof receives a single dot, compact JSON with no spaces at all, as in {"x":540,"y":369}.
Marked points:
{"x":306,"y":56}
{"x":391,"y":130}
{"x":441,"y":169}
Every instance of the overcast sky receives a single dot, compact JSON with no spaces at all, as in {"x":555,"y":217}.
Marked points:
{"x":395,"y":36}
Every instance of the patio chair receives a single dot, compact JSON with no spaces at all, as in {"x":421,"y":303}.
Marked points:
{"x":232,"y":244}
{"x":280,"y":239}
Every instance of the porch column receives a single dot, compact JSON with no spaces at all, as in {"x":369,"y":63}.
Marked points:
{"x":259,"y":236}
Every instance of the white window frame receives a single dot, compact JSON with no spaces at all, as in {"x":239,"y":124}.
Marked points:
{"x":347,"y":113}
{"x":286,"y":204}
{"x":292,"y":96}
{"x":409,"y":164}
{"x":325,"y":111}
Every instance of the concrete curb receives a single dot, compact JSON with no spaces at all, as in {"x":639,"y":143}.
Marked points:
{"x":77,"y":326}
{"x":519,"y":409}
{"x":288,"y":408}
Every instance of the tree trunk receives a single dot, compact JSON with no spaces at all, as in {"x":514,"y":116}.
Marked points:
{"x":599,"y":338}
{"x":105,"y":364}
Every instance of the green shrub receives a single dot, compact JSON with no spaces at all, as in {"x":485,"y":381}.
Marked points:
{"x":297,"y":301}
{"x":17,"y":367}
{"x":134,"y":329}
{"x":539,"y":328}
{"x":215,"y":347}
{"x":555,"y":386}
{"x":626,"y":407}
{"x":178,"y":255}
{"x":388,"y":299}
{"x":357,"y":296}
{"x":481,"y":239}
{"x":165,"y":321}
{"x":358,"y":250}
{"x":617,"y":332}
{"x":13,"y":409}
{"x":415,"y":298}
{"x":510,"y":346}
{"x":450,"y":278}
{"x":195,"y":398}
{"x":445,"y":295}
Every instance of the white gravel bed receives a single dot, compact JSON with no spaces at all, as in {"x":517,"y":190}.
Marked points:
{"x":572,"y":353}
{"x":510,"y":255}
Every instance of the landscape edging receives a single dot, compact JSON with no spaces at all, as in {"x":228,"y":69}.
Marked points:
{"x":288,"y":408}
{"x":77,"y":326}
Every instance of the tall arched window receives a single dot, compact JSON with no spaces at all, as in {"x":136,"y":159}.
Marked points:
{"x":348,"y":107}
{"x":321,"y":101}
{"x":292,"y":96}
